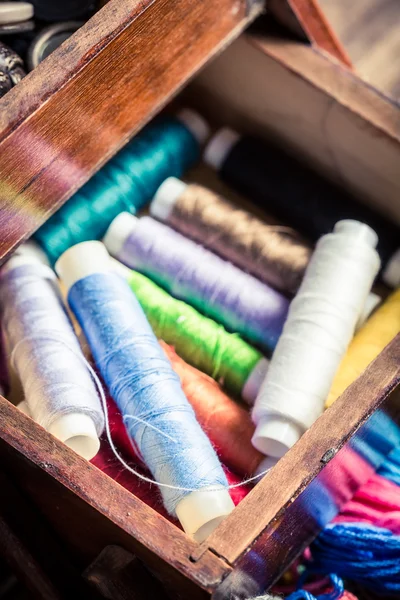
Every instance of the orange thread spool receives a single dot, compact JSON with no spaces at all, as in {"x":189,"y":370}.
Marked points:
{"x":226,"y":423}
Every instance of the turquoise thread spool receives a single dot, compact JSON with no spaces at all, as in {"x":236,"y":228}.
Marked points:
{"x":168,"y":146}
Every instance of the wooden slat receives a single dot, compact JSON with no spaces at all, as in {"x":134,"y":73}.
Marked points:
{"x":315,"y":108}
{"x":307,"y":16}
{"x":62,"y":122}
{"x":90,"y":511}
{"x":274,"y":516}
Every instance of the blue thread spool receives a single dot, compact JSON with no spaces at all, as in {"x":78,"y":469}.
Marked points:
{"x":156,"y":413}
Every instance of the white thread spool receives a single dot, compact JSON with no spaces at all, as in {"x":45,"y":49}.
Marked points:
{"x":320,"y":324}
{"x":199,"y":512}
{"x":77,"y":430}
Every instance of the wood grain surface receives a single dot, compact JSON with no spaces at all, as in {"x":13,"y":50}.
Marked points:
{"x":294,"y":501}
{"x":313,"y":107}
{"x":89,"y":511}
{"x":370,"y":32}
{"x":69,"y":116}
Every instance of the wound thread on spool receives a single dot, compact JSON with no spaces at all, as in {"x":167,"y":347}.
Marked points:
{"x":148,"y":393}
{"x":200,"y":341}
{"x":226,"y":423}
{"x":214,"y":286}
{"x":295,"y":194}
{"x":380,"y":329}
{"x":321,"y":321}
{"x":167,"y":146}
{"x":46,"y":354}
{"x":275,"y":255}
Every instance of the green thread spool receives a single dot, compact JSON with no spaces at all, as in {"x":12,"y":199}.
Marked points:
{"x":167,"y":146}
{"x":199,"y":340}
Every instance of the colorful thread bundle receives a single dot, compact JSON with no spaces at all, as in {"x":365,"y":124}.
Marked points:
{"x":295,"y":194}
{"x":200,"y":341}
{"x":148,"y":393}
{"x":46,"y":354}
{"x":320,"y":324}
{"x":226,"y":423}
{"x":276,"y":255}
{"x":380,"y":329}
{"x":129,"y":180}
{"x":363,"y":553}
{"x":376,"y":503}
{"x":191,"y":273}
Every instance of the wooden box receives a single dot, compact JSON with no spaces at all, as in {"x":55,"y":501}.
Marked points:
{"x":59,"y":126}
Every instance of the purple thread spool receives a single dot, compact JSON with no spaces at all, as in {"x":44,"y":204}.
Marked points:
{"x":191,"y":273}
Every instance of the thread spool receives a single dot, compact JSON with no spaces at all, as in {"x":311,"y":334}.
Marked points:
{"x":46,"y":354}
{"x":11,"y":69}
{"x":15,"y":12}
{"x":167,"y":146}
{"x":48,"y":40}
{"x":200,"y":341}
{"x":191,"y":273}
{"x":320,"y":324}
{"x":276,"y":255}
{"x":146,"y":390}
{"x":226,"y":423}
{"x":304,"y":200}
{"x":370,"y":340}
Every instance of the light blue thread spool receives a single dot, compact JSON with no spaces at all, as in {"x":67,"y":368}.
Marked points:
{"x":157,"y":414}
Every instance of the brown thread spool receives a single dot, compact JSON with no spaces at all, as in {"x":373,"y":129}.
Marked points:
{"x":274,"y":254}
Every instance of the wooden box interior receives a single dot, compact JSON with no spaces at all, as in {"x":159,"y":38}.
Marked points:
{"x":57,"y":128}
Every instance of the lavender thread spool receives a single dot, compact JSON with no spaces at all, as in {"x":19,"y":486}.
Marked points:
{"x":192,"y":273}
{"x":46,"y":354}
{"x":276,"y":255}
{"x":156,"y":413}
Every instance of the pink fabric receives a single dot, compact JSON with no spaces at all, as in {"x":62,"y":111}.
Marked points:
{"x":377,"y":502}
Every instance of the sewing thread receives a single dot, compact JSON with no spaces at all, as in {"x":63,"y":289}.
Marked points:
{"x":292,"y":192}
{"x":46,"y":355}
{"x":156,"y":413}
{"x":227,"y":424}
{"x":320,"y":324}
{"x":359,"y":552}
{"x":274,"y":254}
{"x":200,"y":341}
{"x":129,"y":180}
{"x":380,"y":329}
{"x":191,"y":273}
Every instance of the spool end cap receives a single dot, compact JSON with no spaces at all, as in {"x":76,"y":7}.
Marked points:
{"x":82,"y":260}
{"x":197,"y":126}
{"x":165,"y":198}
{"x":219,"y":147}
{"x":358,"y":231}
{"x":201,"y":512}
{"x":275,"y":435}
{"x":391,"y":273}
{"x":118,"y":232}
{"x":78,"y":432}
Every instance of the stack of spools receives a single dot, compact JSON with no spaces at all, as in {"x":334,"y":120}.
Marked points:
{"x":30,"y":31}
{"x":243,"y":310}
